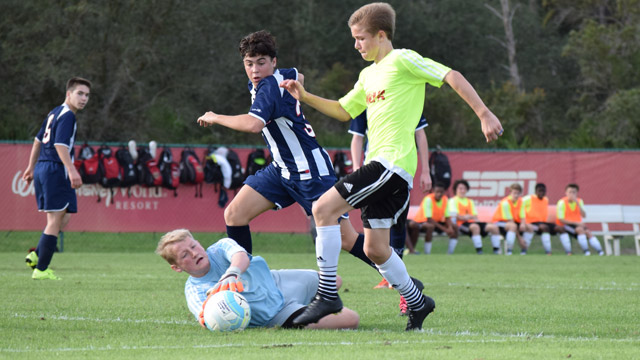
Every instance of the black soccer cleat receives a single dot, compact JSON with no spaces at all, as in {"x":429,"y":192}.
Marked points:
{"x":416,"y":317}
{"x":317,"y":309}
{"x":418,"y":284}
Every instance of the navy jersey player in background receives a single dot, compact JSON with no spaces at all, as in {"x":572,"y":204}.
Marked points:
{"x":301,"y":169}
{"x":54,"y":176}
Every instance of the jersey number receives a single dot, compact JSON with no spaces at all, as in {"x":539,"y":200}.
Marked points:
{"x":47,"y":132}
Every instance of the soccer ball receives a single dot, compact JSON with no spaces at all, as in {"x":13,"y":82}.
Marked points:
{"x":226,"y":311}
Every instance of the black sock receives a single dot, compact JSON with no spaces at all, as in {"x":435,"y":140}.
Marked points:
{"x":46,"y":248}
{"x":242,"y":235}
{"x":398,"y":237}
{"x":358,"y":251}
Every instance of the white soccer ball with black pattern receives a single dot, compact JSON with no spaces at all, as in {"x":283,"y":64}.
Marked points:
{"x":226,"y":311}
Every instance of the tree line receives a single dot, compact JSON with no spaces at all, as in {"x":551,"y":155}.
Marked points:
{"x":558,"y":73}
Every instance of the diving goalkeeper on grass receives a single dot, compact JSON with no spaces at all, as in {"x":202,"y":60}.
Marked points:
{"x":276,"y":297}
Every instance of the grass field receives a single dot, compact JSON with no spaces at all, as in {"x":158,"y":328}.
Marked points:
{"x":119,"y":300}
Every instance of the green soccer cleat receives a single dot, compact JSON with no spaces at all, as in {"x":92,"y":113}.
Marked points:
{"x":44,"y":275}
{"x":31,"y":259}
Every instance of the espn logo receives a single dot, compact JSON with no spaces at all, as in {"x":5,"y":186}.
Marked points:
{"x":496,"y":183}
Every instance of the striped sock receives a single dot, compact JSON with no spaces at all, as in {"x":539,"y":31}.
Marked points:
{"x":396,"y":274}
{"x":328,"y":244}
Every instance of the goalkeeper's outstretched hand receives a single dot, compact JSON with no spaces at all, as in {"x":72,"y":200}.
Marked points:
{"x":229,"y":281}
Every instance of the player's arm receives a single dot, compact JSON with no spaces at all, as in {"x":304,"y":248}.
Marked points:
{"x":423,"y":155}
{"x":33,"y":158}
{"x":583,"y":213}
{"x":74,"y":176}
{"x":230,"y":280}
{"x":491,"y":127}
{"x":357,"y":143}
{"x":244,"y":122}
{"x":331,"y":108}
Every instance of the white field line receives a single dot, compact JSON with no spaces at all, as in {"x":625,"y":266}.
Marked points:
{"x":288,"y":344}
{"x":98,"y":320}
{"x":497,"y":338}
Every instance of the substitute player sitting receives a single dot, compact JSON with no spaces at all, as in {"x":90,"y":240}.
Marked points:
{"x":276,"y":297}
{"x":464,"y":214}
{"x":432,"y":216}
{"x":569,"y":214}
{"x":507,"y":218}
{"x":533,"y":216}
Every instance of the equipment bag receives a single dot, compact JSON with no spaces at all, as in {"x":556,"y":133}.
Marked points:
{"x":440,"y":169}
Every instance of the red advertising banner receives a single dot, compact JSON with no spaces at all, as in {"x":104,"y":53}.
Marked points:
{"x":604,"y":178}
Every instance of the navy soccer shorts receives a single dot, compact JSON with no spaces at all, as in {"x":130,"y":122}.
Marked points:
{"x":284,"y":192}
{"x":53,"y":188}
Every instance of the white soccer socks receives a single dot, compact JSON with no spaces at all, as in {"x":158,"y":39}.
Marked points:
{"x":546,"y":242}
{"x":566,"y":242}
{"x":396,"y":274}
{"x":328,"y":245}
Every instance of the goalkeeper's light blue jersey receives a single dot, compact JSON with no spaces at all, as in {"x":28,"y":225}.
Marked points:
{"x":260,"y":290}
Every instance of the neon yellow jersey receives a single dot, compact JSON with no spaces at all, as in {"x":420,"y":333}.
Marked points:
{"x":392,"y":91}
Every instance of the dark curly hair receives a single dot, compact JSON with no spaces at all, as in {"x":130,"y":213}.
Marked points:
{"x":258,"y":43}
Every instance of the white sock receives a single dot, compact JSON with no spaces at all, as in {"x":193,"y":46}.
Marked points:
{"x":452,"y":245}
{"x":595,"y":244}
{"x":566,"y":242}
{"x":546,"y":242}
{"x":495,"y":241}
{"x":477,"y":241}
{"x":328,"y":245}
{"x":427,"y":247}
{"x":511,"y":239}
{"x":582,"y":240}
{"x":396,"y":274}
{"x":527,"y":238}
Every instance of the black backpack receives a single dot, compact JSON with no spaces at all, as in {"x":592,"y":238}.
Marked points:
{"x":211,"y":168}
{"x":128,"y":169}
{"x":440,"y":169}
{"x":169,"y":170}
{"x":237,"y":177}
{"x":255,"y":161}
{"x":342,"y":165}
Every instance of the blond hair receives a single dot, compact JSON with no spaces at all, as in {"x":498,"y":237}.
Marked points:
{"x":171,"y":238}
{"x":516,"y":186}
{"x":375,"y":17}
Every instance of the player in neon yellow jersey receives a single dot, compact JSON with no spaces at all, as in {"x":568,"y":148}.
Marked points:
{"x":392,"y":91}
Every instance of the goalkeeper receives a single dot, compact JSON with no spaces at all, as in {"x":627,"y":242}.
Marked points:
{"x":276,"y":297}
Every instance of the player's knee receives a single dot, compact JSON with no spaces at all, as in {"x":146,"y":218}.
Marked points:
{"x":233,"y":217}
{"x":352,"y":319}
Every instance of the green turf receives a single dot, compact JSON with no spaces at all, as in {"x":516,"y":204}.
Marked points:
{"x":119,"y":300}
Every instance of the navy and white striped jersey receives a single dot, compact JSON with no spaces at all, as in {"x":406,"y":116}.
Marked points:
{"x":59,"y":128}
{"x":288,"y":134}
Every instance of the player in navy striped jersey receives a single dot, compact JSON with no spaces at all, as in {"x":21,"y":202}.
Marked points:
{"x":301,"y":169}
{"x":54,"y":176}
